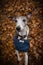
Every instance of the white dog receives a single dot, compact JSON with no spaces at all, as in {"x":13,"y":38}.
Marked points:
{"x":22,"y":31}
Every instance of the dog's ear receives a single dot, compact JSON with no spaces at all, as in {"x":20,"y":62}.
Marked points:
{"x":29,"y":15}
{"x":14,"y":18}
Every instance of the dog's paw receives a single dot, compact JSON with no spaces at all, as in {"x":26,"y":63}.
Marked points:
{"x":19,"y":59}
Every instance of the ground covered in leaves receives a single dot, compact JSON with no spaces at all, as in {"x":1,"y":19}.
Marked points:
{"x":11,"y":8}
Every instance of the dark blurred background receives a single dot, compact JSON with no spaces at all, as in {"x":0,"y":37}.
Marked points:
{"x":11,"y":8}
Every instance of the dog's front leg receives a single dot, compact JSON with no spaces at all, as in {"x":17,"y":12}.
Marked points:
{"x":26,"y":58}
{"x":19,"y":59}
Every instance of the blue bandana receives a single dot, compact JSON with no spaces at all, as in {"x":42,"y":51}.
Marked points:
{"x":21,"y":46}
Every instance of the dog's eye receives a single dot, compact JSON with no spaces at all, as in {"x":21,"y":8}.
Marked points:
{"x":15,"y":20}
{"x":24,"y":20}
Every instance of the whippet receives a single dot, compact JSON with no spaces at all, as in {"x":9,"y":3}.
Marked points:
{"x":21,"y":39}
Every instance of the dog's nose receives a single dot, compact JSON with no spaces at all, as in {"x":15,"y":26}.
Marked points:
{"x":18,"y":28}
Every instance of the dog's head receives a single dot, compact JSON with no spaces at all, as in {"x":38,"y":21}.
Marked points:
{"x":21,"y":22}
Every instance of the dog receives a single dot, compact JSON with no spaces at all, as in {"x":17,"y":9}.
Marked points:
{"x":21,"y":38}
